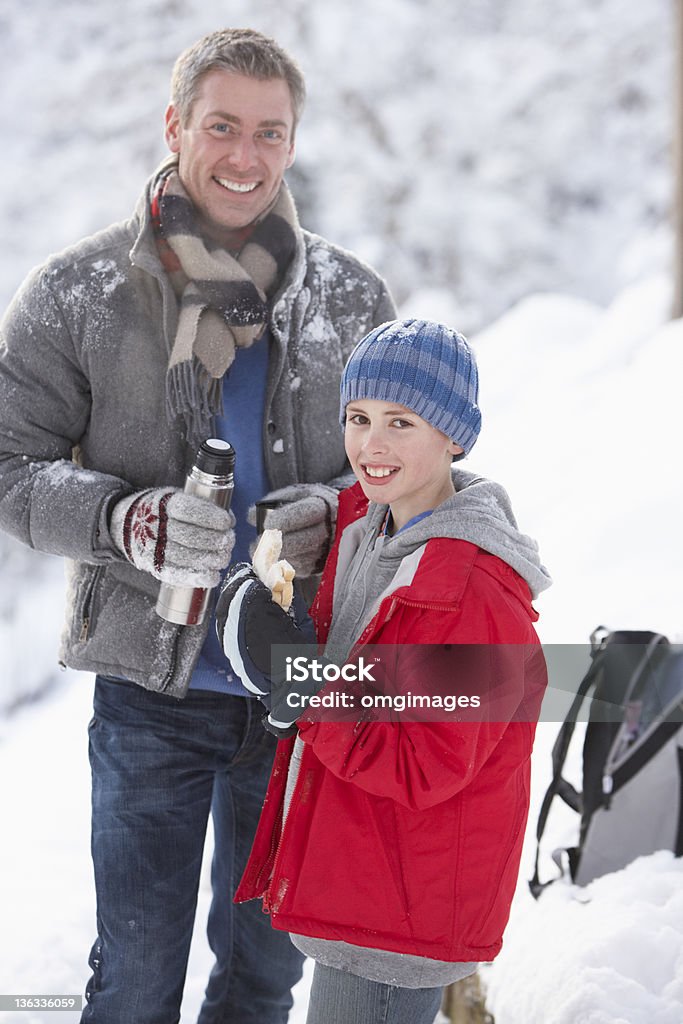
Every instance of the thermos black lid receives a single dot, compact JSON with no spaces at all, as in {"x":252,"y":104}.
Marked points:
{"x":216,"y":457}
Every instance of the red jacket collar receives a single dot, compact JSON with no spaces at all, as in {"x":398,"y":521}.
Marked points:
{"x":444,"y":570}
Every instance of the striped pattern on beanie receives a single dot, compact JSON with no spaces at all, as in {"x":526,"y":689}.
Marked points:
{"x":423,"y":365}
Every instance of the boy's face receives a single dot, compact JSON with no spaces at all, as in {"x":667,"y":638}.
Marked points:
{"x":399,"y":458}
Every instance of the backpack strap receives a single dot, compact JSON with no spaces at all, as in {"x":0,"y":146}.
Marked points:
{"x":666,"y":729}
{"x":678,"y":849}
{"x":559,"y":786}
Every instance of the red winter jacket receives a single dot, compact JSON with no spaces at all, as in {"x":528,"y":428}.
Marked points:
{"x":407,"y":836}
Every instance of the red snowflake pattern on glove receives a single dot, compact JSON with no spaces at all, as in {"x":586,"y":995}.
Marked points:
{"x":143,"y":522}
{"x":146,"y":522}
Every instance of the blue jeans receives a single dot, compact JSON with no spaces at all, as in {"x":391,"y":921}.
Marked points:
{"x":338,"y":997}
{"x":159,"y":766}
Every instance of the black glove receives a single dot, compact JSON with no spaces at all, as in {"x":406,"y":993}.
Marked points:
{"x":248,"y":624}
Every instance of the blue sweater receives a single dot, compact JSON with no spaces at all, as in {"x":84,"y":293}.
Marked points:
{"x":244,"y":394}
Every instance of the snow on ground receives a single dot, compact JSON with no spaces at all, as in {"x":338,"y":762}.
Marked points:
{"x":611,"y":953}
{"x":46,"y":888}
{"x":582,"y":422}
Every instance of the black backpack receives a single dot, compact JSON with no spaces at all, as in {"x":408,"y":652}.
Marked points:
{"x":632,"y":798}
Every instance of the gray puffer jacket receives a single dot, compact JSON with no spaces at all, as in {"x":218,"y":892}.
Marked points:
{"x":84,"y":349}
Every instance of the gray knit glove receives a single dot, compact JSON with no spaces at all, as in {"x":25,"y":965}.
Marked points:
{"x":306,"y":515}
{"x":178,"y":538}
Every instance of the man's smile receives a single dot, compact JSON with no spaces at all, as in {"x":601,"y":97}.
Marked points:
{"x":237,"y":186}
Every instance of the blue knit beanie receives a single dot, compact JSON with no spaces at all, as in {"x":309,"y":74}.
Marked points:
{"x":423,"y":365}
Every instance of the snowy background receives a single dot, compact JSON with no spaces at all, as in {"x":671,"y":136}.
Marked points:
{"x":491,"y":148}
{"x":505,"y":164}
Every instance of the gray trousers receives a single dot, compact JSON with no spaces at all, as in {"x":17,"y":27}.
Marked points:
{"x":338,"y":997}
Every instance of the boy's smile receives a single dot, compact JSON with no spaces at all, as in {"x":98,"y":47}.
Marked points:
{"x":399,"y":458}
{"x":379,"y":473}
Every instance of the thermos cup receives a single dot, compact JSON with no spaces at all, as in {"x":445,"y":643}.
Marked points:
{"x":262,"y":507}
{"x":211,"y":477}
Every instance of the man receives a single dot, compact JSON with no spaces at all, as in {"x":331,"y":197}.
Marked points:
{"x":209,"y":313}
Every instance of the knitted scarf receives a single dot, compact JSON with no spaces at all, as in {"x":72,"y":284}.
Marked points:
{"x":223,"y":297}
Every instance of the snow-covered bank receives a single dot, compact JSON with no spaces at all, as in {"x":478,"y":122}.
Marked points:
{"x":611,"y":953}
{"x":583,"y":423}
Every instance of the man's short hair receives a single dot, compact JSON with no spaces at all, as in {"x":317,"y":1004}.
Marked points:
{"x":242,"y":51}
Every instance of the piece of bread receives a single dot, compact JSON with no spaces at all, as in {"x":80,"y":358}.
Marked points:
{"x":267,"y":553}
{"x":275,"y":572}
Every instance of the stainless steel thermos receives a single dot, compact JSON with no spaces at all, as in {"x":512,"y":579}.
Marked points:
{"x":212,"y":478}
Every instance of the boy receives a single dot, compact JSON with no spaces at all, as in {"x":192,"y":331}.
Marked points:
{"x":419,"y":824}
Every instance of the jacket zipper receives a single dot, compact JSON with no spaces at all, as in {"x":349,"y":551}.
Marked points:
{"x":276,"y":844}
{"x":270,"y":866}
{"x":174,"y":661}
{"x":88,"y":604}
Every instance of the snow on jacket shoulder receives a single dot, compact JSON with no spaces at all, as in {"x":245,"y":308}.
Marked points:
{"x":419,"y":824}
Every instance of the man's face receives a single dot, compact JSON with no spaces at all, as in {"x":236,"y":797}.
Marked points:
{"x":235,"y":148}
